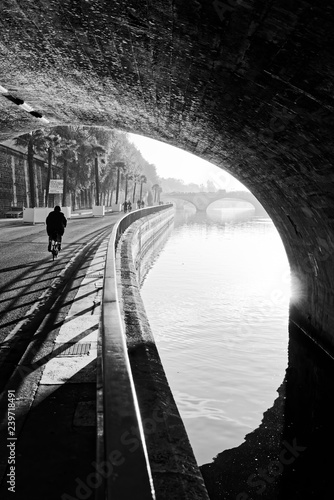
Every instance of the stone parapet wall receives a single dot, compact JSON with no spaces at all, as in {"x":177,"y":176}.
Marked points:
{"x":174,"y":468}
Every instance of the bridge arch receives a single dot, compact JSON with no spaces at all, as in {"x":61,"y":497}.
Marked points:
{"x":180,"y":199}
{"x":235,"y":199}
{"x":203,"y":200}
{"x":246,"y":87}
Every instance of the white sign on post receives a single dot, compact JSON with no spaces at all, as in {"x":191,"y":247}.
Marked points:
{"x":56,"y":186}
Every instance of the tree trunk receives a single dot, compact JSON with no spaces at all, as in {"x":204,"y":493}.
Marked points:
{"x":72,"y":200}
{"x":134,"y":192}
{"x":31,"y":172}
{"x":48,"y":176}
{"x":65,"y":173}
{"x":126,"y":187}
{"x":97,"y":182}
{"x":91,"y":197}
{"x":117,"y":188}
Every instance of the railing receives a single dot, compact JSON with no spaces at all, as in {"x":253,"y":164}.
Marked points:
{"x":122,"y":459}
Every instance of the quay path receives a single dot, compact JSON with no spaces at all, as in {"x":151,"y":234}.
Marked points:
{"x":48,"y":349}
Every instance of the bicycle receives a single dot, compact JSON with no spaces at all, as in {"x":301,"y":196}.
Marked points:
{"x":55,"y":245}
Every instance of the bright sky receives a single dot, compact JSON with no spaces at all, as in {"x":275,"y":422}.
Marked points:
{"x":177,"y":163}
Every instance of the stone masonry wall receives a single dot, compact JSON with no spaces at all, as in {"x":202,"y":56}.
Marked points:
{"x":175,"y":472}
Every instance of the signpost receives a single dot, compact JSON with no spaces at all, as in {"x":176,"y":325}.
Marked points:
{"x":56,"y":186}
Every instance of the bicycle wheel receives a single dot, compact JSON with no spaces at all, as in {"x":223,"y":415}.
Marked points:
{"x":54,"y":249}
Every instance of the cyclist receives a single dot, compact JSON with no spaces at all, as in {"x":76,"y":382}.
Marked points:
{"x":55,"y":226}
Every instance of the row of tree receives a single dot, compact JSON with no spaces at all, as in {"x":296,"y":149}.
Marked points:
{"x":100,"y":161}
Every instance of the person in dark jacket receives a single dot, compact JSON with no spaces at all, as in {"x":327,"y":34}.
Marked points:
{"x":55,"y":226}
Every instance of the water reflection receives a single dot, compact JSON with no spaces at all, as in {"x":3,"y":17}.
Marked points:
{"x":223,"y":342}
{"x":215,"y":215}
{"x":290,"y":454}
{"x":150,"y":253}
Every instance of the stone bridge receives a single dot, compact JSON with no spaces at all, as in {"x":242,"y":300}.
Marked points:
{"x":203,"y":200}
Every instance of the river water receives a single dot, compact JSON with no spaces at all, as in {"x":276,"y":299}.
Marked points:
{"x":217,"y":301}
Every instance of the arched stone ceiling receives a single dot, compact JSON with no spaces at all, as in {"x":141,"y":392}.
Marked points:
{"x":245,"y":84}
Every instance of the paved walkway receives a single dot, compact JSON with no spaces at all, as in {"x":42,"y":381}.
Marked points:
{"x":54,"y":441}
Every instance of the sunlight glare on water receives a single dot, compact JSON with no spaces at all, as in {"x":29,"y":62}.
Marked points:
{"x":217,"y":301}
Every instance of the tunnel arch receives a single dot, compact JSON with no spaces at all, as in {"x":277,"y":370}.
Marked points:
{"x":246,"y":87}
